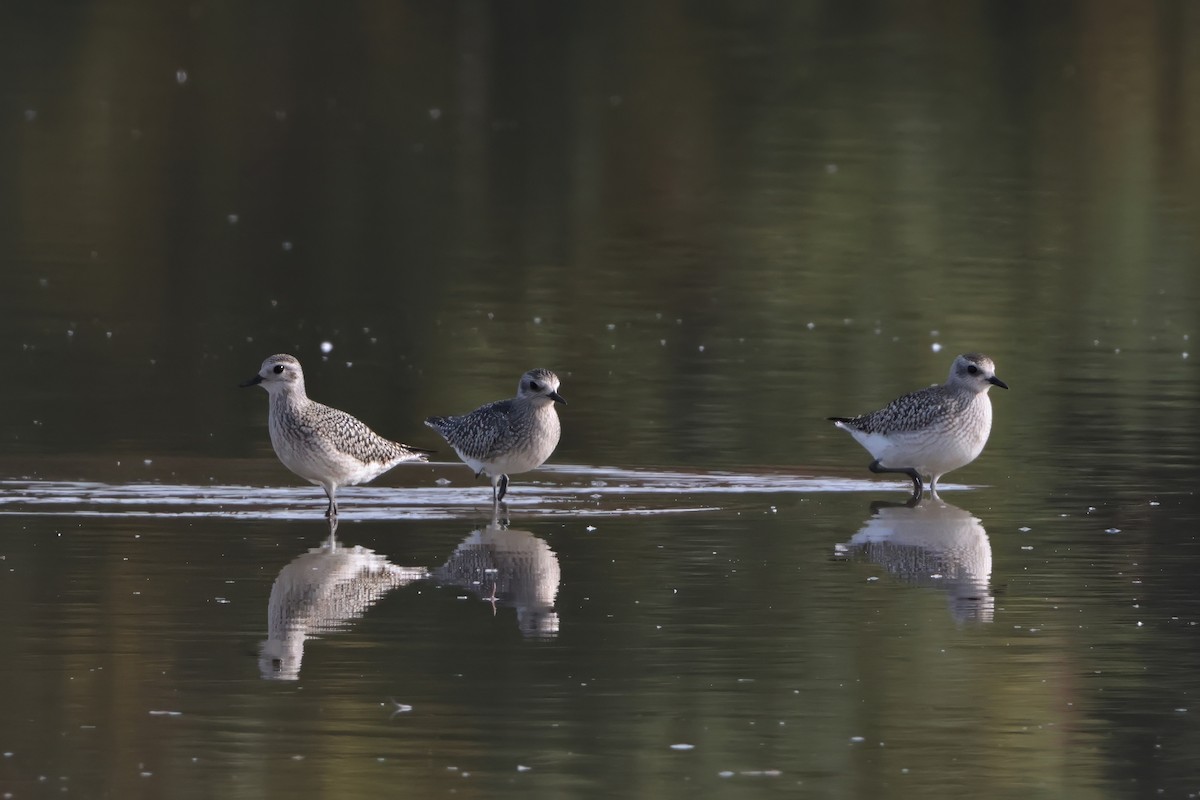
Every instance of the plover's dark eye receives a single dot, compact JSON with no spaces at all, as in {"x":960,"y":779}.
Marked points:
{"x":974,"y":370}
{"x":535,"y":386}
{"x":279,"y":369}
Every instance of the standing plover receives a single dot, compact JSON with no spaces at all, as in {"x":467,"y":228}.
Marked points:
{"x":321,"y":444}
{"x":932,"y":431}
{"x":507,"y":436}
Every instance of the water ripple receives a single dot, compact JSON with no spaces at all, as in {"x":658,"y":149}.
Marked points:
{"x":564,"y":489}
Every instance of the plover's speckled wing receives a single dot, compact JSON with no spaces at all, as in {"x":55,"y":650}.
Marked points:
{"x":481,"y":434}
{"x":912,"y":412}
{"x":352,"y":437}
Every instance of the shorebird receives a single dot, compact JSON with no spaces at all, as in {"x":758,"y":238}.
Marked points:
{"x":508,"y":436}
{"x":930,"y":432}
{"x":323,"y":445}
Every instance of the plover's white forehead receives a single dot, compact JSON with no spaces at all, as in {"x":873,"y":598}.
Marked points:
{"x":979,"y":360}
{"x":279,"y":359}
{"x":538,"y":380}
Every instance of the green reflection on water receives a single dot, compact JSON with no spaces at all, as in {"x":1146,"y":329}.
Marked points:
{"x":719,"y":224}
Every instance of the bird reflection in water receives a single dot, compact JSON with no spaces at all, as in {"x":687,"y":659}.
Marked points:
{"x":935,"y":544}
{"x":322,"y":591}
{"x":508,"y":568}
{"x":328,"y":587}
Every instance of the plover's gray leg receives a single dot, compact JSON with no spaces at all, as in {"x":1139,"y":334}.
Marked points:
{"x":502,"y":483}
{"x":933,"y":487}
{"x":878,"y":468}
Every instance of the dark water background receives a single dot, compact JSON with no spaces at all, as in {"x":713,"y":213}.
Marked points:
{"x":719,"y":223}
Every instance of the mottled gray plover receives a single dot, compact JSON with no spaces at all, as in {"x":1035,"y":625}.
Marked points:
{"x":507,"y":436}
{"x":321,"y":444}
{"x":930,"y":432}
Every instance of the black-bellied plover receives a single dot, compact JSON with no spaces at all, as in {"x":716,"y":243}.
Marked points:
{"x":507,"y":436}
{"x":930,"y":432}
{"x":321,"y":444}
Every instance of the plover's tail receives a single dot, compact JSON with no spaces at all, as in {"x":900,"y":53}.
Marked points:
{"x":411,"y":453}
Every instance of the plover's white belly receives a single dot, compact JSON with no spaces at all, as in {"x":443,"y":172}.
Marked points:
{"x":937,"y":449}
{"x":517,"y":461}
{"x":512,"y":461}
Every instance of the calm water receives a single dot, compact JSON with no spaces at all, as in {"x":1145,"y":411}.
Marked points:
{"x":719,"y":223}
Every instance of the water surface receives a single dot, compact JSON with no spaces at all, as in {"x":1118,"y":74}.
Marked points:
{"x":719,"y":224}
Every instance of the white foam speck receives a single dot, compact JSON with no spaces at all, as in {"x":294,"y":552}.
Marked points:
{"x":181,"y":76}
{"x":936,"y":347}
{"x":326,"y":347}
{"x":683,"y":746}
